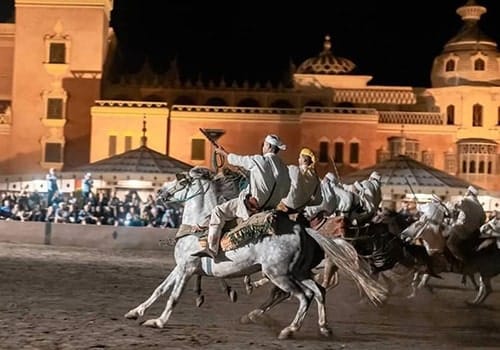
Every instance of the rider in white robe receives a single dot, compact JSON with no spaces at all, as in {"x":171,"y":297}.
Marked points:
{"x":305,"y":189}
{"x":370,"y":193}
{"x":329,"y":203}
{"x":269,"y":182}
{"x":471,"y":217}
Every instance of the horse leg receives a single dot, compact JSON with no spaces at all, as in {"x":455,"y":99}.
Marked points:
{"x":178,"y":288}
{"x":330,"y":275}
{"x":485,"y":289}
{"x":250,"y":285}
{"x":159,"y":291}
{"x":233,"y":296}
{"x":424,"y":282}
{"x":287,"y":284}
{"x":319,"y":295}
{"x":200,"y":299}
{"x":276,"y":297}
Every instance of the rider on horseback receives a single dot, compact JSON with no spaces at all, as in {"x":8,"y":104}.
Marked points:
{"x":329,"y":203}
{"x":305,"y":189}
{"x":269,"y":182}
{"x":370,"y":194}
{"x":464,"y":229}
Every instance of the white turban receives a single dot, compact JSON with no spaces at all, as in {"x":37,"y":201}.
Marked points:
{"x":472,"y":190}
{"x":274,"y":140}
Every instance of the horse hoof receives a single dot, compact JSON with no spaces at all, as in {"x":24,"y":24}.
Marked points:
{"x":245,"y":319}
{"x":233,"y":296}
{"x":325,"y":332}
{"x":200,"y":300}
{"x":153,"y":323}
{"x":131,"y":315}
{"x":285,"y":334}
{"x":255,"y":315}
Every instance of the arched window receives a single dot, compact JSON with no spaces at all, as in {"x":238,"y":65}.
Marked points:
{"x":480,"y":169}
{"x":490,"y":167}
{"x":464,"y":167}
{"x":477,"y":115}
{"x":323,"y":152}
{"x":339,"y":152}
{"x":354,"y":153}
{"x":450,"y":66}
{"x":472,"y":167}
{"x":450,"y":115}
{"x":479,"y":64}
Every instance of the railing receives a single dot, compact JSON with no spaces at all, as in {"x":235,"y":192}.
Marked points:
{"x":423,"y":118}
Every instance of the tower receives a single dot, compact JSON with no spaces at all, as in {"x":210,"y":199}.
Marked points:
{"x":60,"y":48}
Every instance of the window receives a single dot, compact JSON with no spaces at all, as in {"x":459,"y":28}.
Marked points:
{"x":428,"y":157}
{"x":464,"y":167}
{"x":55,"y":108}
{"x":354,"y":153}
{"x":477,"y":115}
{"x":57,"y":53}
{"x":112,"y":145}
{"x":479,"y":64}
{"x":490,"y":167}
{"x":480,"y":170}
{"x":498,"y":116}
{"x":472,"y":167}
{"x":128,"y":143}
{"x":450,"y":66}
{"x":323,"y":152}
{"x":450,"y":115}
{"x":450,"y":162}
{"x":197,"y":149}
{"x":339,"y":152}
{"x":53,"y":152}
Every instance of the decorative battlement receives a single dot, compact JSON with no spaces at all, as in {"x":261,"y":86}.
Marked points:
{"x":340,"y":110}
{"x":113,"y":103}
{"x":426,"y":118}
{"x":390,"y":96}
{"x":226,"y":109}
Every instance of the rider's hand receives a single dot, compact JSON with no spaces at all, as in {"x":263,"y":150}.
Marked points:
{"x":221,"y":151}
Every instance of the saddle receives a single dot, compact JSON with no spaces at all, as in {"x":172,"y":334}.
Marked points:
{"x":238,"y":234}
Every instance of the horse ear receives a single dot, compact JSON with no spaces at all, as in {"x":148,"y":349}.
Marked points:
{"x":180,"y":176}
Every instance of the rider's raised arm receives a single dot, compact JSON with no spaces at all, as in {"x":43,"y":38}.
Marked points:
{"x":245,"y":162}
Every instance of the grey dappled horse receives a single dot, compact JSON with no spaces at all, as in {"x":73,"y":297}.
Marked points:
{"x":282,"y":257}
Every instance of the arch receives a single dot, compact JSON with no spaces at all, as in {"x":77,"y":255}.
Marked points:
{"x":281,"y":103}
{"x":480,"y":169}
{"x":464,"y":167}
{"x":479,"y":64}
{"x":184,"y":100}
{"x":324,"y":154}
{"x":472,"y":167}
{"x":248,"y":102}
{"x":450,"y":115}
{"x":490,"y":167}
{"x":477,"y":115}
{"x":216,"y":101}
{"x":450,"y":66}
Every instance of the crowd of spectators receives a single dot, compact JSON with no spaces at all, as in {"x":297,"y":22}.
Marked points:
{"x":88,"y":208}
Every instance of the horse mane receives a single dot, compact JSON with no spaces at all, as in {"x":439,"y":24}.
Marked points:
{"x":229,"y":184}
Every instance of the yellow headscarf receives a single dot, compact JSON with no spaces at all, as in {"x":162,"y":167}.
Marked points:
{"x":308,"y":152}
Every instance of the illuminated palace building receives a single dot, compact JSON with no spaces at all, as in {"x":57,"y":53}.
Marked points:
{"x":61,"y":107}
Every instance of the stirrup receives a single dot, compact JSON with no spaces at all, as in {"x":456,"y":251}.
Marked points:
{"x":206,"y":252}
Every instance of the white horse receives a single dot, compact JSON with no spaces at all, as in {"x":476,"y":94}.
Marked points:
{"x":283,"y":257}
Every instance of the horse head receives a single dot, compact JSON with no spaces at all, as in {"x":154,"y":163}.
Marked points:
{"x":491,"y":228}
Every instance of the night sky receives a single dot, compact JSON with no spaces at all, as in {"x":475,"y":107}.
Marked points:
{"x":394,"y":41}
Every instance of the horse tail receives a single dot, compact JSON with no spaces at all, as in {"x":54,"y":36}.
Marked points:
{"x":345,"y":257}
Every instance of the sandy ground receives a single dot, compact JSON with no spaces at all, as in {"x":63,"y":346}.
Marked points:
{"x":70,"y":298}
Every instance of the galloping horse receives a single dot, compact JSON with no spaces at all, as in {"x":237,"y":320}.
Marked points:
{"x":283,"y":256}
{"x":482,"y":259}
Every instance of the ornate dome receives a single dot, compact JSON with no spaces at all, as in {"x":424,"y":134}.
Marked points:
{"x":326,"y":63}
{"x":470,"y":57}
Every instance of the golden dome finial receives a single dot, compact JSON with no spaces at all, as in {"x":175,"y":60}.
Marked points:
{"x":327,"y":45}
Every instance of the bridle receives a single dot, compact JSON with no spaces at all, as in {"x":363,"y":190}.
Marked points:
{"x":186,"y":182}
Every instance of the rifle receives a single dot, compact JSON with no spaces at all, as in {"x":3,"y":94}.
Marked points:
{"x":335,"y":169}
